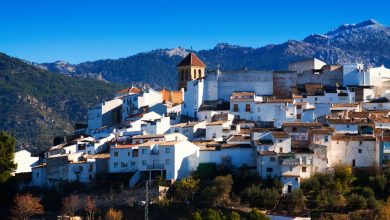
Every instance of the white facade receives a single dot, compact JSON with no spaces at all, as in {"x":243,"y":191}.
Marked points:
{"x":354,"y":151}
{"x":218,"y":130}
{"x":104,"y":114}
{"x":193,"y":98}
{"x":156,"y":126}
{"x":238,"y":156}
{"x":24,"y":161}
{"x":192,"y":130}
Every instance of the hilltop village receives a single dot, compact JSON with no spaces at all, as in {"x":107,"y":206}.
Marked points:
{"x":286,"y":124}
{"x":280,"y":124}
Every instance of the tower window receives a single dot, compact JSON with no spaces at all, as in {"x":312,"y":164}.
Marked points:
{"x":194,"y":73}
{"x":199,"y":73}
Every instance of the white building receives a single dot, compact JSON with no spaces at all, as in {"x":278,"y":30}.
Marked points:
{"x":192,"y":130}
{"x":156,"y":126}
{"x":24,"y":161}
{"x":106,"y":114}
{"x":218,"y":130}
{"x":354,"y":150}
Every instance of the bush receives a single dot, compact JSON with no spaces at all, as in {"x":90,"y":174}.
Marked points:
{"x":310,"y":184}
{"x":372,"y":203}
{"x":234,"y":216}
{"x":255,"y":214}
{"x":355,"y":201}
{"x":378,"y":182}
{"x":367,"y":192}
{"x":296,"y":200}
{"x":210,"y":214}
{"x":262,"y":198}
{"x":219,"y":190}
{"x":113,"y":214}
{"x":196,"y":216}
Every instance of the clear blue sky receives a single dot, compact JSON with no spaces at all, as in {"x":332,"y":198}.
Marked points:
{"x":80,"y":30}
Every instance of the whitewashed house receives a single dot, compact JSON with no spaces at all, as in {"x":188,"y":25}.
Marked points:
{"x":192,"y":130}
{"x":156,"y":126}
{"x":106,"y":114}
{"x":218,"y":130}
{"x":24,"y":161}
{"x":353,"y":149}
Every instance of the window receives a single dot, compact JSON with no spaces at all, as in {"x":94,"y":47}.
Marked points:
{"x":347,"y":126}
{"x":123,"y":164}
{"x":194,"y":73}
{"x":199,"y":73}
{"x":360,"y":151}
{"x":299,"y":106}
{"x":280,"y":140}
{"x":235,"y":107}
{"x":128,"y":154}
{"x":315,"y":99}
{"x":167,"y":150}
{"x":326,"y":138}
{"x":132,"y":164}
{"x":294,"y":129}
{"x":259,"y":109}
{"x":269,"y":170}
{"x":360,"y":142}
{"x":247,"y":107}
{"x":115,"y":165}
{"x":303,"y":169}
{"x":298,"y":116}
{"x":280,"y":149}
{"x":353,"y":162}
{"x":144,"y":162}
{"x":89,"y":152}
{"x":135,"y":153}
{"x":214,"y":135}
{"x":272,"y":159}
{"x":143,"y":151}
{"x":167,"y":161}
{"x":115,"y":153}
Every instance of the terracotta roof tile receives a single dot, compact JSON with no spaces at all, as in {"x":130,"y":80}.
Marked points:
{"x":191,"y":60}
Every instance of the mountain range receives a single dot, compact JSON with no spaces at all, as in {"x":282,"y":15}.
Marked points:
{"x":367,"y":42}
{"x":37,"y":105}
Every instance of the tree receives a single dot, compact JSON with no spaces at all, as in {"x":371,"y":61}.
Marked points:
{"x":270,"y":197}
{"x":234,"y":216}
{"x":355,"y":201}
{"x":378,"y":182}
{"x":210,"y":214}
{"x":186,"y":188}
{"x":296,"y":200}
{"x":219,"y":190}
{"x":90,"y":208}
{"x":255,"y":214}
{"x":113,"y":214}
{"x":196,"y":216}
{"x":70,"y":204}
{"x":384,"y":212}
{"x":343,"y":173}
{"x":26,"y":206}
{"x":7,"y":153}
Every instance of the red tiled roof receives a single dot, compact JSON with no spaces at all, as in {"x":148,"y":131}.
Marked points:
{"x":129,"y":90}
{"x":191,"y":60}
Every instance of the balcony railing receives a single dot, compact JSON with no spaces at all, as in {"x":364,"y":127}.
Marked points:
{"x":155,"y":166}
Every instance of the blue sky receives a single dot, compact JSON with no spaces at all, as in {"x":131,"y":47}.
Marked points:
{"x":80,"y":30}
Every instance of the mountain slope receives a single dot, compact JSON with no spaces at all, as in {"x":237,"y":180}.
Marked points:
{"x":367,"y":42}
{"x":37,"y":105}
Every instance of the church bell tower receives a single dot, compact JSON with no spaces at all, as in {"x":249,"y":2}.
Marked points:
{"x":191,"y":67}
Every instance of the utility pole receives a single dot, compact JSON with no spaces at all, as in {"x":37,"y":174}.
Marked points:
{"x":147,"y":200}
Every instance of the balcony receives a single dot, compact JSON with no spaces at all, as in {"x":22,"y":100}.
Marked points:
{"x":155,"y":166}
